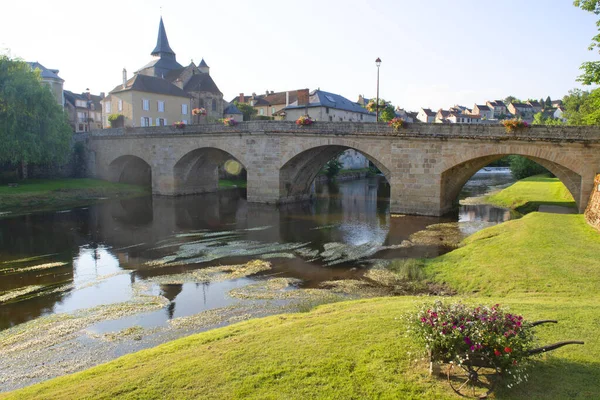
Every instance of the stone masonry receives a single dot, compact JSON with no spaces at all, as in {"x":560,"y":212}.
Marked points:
{"x":425,"y":164}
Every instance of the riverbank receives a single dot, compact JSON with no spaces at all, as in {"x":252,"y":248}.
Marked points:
{"x":528,"y":194}
{"x":58,"y":194}
{"x":359,"y":350}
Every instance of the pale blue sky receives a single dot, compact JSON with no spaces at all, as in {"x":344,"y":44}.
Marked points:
{"x":435,"y":53}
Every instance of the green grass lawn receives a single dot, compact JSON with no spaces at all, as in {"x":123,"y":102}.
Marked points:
{"x":528,"y":194}
{"x":55,"y":194}
{"x":544,"y":266}
{"x":228,"y":183}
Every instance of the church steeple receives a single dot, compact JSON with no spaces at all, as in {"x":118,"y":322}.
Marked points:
{"x":162,"y":49}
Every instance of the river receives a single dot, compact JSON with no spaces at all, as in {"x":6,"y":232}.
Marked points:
{"x":83,"y":286}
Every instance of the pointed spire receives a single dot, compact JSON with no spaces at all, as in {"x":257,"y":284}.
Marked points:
{"x":162,"y":43}
{"x":203,"y":63}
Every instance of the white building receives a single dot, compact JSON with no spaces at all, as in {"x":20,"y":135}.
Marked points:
{"x":484,"y":111}
{"x":426,"y":116}
{"x":559,"y":114}
{"x":325,"y":106}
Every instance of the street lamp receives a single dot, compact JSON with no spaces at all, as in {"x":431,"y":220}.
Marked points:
{"x":378,"y":63}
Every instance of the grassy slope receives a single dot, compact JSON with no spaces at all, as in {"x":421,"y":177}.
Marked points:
{"x":543,"y":265}
{"x":53,"y":194}
{"x":528,"y":194}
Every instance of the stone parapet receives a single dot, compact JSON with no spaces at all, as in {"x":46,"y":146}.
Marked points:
{"x":569,"y":134}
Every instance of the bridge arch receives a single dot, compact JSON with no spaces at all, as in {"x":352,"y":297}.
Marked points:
{"x":299,"y":171}
{"x":130,"y":169}
{"x":456,"y":176}
{"x":198,"y":170}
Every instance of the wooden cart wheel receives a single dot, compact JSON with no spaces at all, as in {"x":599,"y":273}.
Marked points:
{"x":473,"y":381}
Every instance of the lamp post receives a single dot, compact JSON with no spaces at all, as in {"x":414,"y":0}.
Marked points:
{"x":378,"y":63}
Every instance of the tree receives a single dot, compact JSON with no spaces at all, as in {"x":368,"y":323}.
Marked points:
{"x":548,"y":102}
{"x":591,"y":69}
{"x":33,"y":126}
{"x":572,"y":104}
{"x":386,"y":109}
{"x":511,"y":99}
{"x":246,"y":109}
{"x":590,"y":109}
{"x":522,"y":167}
{"x":542,"y":102}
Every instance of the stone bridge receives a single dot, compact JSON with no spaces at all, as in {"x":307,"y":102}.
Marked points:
{"x":426,"y":164}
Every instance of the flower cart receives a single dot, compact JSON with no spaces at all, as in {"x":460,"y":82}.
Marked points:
{"x":481,"y":346}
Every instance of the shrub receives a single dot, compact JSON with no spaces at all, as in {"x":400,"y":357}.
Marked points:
{"x":116,"y":120}
{"x":522,"y":167}
{"x":332,"y":168}
{"x":513,"y":125}
{"x":397,"y":124}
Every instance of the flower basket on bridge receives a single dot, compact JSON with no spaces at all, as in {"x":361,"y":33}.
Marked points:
{"x":229,"y":121}
{"x":397,"y":124}
{"x":179,"y":125}
{"x":514,"y":125}
{"x":304,"y":120}
{"x":199,"y":111}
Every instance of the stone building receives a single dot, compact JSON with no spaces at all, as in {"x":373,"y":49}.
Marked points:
{"x":50,"y":77}
{"x":270,"y":103}
{"x":325,"y":106}
{"x":164,"y":91}
{"x":84,"y":111}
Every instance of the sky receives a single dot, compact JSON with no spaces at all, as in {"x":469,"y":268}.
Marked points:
{"x":434,"y":53}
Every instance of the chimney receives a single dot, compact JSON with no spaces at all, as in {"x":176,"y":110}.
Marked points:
{"x":303,"y":97}
{"x":242,"y":98}
{"x":287,"y":99}
{"x":124,"y":78}
{"x":267,"y":92}
{"x":102,"y":95}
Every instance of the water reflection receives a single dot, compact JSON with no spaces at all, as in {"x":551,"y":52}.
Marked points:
{"x":107,"y":248}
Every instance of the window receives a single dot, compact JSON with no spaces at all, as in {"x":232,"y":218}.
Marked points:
{"x":201,"y":102}
{"x":326,"y":110}
{"x":214,"y":105}
{"x":80,"y":103}
{"x":108,"y":106}
{"x":272,"y":110}
{"x":80,"y":128}
{"x":145,"y":105}
{"x":145,"y":121}
{"x":184,"y":109}
{"x":330,"y":118}
{"x":161,"y":122}
{"x":361,"y":117}
{"x":184,"y":121}
{"x":261,"y":111}
{"x":120,"y":105}
{"x":161,"y":106}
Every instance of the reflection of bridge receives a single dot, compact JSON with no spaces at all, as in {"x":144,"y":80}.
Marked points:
{"x":426,"y":165}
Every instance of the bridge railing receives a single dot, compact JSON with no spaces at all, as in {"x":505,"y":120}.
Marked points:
{"x":586,"y":134}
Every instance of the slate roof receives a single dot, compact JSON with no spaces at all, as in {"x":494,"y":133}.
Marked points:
{"x":497,"y":103}
{"x":165,"y":64}
{"x":151,"y":84}
{"x":203,"y":64}
{"x":521,"y":105}
{"x":428,"y":112}
{"x":95,"y":100}
{"x":232,"y":109}
{"x":162,"y":43}
{"x":201,"y":83}
{"x":45,"y":72}
{"x":270,"y":99}
{"x":444,"y":113}
{"x":482,"y":107}
{"x":320,"y":98}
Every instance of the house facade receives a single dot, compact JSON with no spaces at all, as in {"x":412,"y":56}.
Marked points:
{"x":270,"y":103}
{"x":559,"y":114}
{"x":426,"y":116}
{"x":456,"y":118}
{"x":484,"y":111}
{"x":325,"y":106}
{"x":521,"y":110}
{"x":498,"y":107}
{"x":84,"y":111}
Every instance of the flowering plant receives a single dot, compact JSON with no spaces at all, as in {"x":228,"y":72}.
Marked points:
{"x":229,"y":121}
{"x":513,"y":125}
{"x":199,"y":111}
{"x":179,"y":125}
{"x":397,"y":123}
{"x":464,"y":335}
{"x":305,"y":120}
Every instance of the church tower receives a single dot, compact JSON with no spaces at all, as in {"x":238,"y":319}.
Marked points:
{"x":164,"y":57}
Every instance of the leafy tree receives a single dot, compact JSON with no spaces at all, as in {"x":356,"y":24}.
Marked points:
{"x":548,"y":102}
{"x":590,"y":109}
{"x":572,"y":104}
{"x":539,"y":119}
{"x":511,"y":99}
{"x":332,"y":168}
{"x":33,"y":126}
{"x":522,"y":167}
{"x":246,"y":109}
{"x":542,"y":102}
{"x":386,"y":109}
{"x":591,"y":69}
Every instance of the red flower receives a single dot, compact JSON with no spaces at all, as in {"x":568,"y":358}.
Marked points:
{"x":507,"y":350}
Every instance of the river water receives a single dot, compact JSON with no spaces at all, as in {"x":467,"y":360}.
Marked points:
{"x":83,"y":286}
